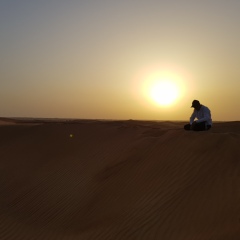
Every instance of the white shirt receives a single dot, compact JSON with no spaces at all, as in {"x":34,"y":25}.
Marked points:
{"x":204,"y":114}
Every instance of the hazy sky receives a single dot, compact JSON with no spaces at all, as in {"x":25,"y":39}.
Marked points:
{"x":94,"y":58}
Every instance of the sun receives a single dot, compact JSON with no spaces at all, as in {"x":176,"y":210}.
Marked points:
{"x":163,"y":88}
{"x":160,"y":86}
{"x":164,"y":92}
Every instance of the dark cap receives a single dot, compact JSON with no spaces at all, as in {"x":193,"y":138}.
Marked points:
{"x":195,"y":103}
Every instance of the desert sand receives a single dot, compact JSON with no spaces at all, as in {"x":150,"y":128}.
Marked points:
{"x":118,"y":180}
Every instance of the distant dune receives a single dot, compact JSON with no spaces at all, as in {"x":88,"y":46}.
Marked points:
{"x":118,"y":180}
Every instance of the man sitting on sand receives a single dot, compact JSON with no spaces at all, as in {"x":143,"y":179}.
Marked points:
{"x":203,"y":114}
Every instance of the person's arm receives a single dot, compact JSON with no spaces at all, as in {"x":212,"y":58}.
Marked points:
{"x":193,"y":116}
{"x":206,"y":115}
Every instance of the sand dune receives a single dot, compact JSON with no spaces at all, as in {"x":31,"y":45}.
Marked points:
{"x":119,"y":180}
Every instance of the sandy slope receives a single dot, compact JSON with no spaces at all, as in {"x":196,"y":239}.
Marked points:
{"x":119,"y":180}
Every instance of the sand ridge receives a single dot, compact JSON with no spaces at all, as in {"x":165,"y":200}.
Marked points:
{"x":92,"y":179}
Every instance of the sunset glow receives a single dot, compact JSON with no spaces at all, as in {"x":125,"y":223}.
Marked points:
{"x":118,"y":59}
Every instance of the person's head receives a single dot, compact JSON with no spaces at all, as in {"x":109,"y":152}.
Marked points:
{"x":196,"y":104}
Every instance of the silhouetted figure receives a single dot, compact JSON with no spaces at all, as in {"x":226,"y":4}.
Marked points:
{"x":203,"y":115}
